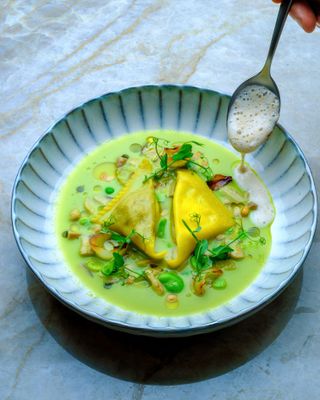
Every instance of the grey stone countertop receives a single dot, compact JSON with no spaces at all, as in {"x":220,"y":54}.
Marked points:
{"x":55,"y":55}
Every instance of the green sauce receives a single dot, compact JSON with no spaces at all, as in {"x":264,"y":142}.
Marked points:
{"x":237,"y":275}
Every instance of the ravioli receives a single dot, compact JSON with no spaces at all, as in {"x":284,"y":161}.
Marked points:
{"x":193,"y":197}
{"x":135,"y":209}
{"x":138,"y":211}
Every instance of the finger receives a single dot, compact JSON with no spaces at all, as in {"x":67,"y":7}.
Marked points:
{"x":315,"y":4}
{"x":304,"y":15}
{"x":302,"y":12}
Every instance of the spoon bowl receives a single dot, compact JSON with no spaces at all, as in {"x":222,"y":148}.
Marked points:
{"x":263,"y":78}
{"x":245,"y":119}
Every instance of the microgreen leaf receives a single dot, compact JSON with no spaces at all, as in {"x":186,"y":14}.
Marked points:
{"x":220,"y":252}
{"x":195,"y":142}
{"x":201,"y":248}
{"x":201,"y":259}
{"x":122,"y":240}
{"x":184,"y":152}
{"x":164,"y":161}
{"x":106,"y":226}
{"x":118,"y":238}
{"x":108,"y":268}
{"x":206,"y":171}
{"x":118,"y":261}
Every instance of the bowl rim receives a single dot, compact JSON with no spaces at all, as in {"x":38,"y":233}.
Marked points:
{"x":146,"y":329}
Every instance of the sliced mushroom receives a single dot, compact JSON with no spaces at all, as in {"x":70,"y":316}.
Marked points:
{"x":90,"y":205}
{"x":101,"y":199}
{"x":155,"y":283}
{"x":73,"y":235}
{"x":97,"y":243}
{"x":85,"y":248}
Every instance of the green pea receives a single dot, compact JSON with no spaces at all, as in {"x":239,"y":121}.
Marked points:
{"x":172,"y":282}
{"x":161,"y":228}
{"x":94,"y":265}
{"x":220,"y":283}
{"x":109,"y":190}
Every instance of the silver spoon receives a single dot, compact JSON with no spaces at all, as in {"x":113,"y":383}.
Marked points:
{"x":263,"y":78}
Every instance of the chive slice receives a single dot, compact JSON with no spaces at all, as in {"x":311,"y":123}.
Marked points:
{"x":161,"y":228}
{"x":220,"y":283}
{"x":109,"y":190}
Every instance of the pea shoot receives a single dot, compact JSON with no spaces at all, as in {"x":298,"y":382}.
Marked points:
{"x":121,"y":239}
{"x":170,"y":157}
{"x":203,"y":258}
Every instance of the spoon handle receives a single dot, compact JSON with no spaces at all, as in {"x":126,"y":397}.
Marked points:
{"x":281,"y":19}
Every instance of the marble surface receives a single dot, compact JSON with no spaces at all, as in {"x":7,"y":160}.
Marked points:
{"x":55,"y":55}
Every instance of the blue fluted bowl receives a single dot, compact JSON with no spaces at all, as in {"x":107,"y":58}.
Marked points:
{"x":279,"y":162}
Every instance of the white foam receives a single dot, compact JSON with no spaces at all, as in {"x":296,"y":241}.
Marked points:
{"x":265,"y":212}
{"x":252,"y":118}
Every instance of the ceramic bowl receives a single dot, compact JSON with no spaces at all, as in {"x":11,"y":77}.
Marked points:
{"x":279,"y":162}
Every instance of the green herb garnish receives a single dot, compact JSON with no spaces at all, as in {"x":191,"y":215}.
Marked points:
{"x":220,"y":252}
{"x":164,"y":162}
{"x":199,"y":261}
{"x":203,"y":257}
{"x":118,"y":261}
{"x":108,"y":268}
{"x":121,"y":239}
{"x":184,"y":153}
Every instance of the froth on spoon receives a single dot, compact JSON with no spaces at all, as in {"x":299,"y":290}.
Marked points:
{"x":254,"y":108}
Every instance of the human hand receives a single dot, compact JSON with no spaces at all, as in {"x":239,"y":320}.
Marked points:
{"x":305,"y":12}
